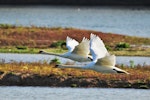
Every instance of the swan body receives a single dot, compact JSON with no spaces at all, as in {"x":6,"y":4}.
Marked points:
{"x":76,"y":51}
{"x":102,"y":61}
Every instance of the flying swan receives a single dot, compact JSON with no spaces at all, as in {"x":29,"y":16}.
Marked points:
{"x":76,"y":51}
{"x":102,"y":61}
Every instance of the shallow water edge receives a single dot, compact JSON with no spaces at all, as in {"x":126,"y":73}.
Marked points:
{"x":22,"y":79}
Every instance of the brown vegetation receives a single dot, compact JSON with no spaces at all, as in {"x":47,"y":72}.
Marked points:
{"x":44,"y":37}
{"x":37,"y":74}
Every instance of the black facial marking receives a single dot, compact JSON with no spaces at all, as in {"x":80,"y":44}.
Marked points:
{"x":118,"y":71}
{"x":90,"y":58}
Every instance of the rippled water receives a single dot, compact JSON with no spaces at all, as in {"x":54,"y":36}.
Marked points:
{"x":10,"y":57}
{"x":123,"y":20}
{"x":47,"y":93}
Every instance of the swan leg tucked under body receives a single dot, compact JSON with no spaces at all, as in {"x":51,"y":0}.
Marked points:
{"x":76,"y":51}
{"x":102,"y":61}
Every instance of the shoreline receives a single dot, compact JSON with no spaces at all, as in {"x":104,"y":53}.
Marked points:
{"x":46,"y":75}
{"x":32,"y":39}
{"x":70,"y":81}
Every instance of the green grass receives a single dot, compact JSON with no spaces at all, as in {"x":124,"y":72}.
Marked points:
{"x":16,"y":50}
{"x":30,"y":50}
{"x":132,"y":52}
{"x":125,"y":52}
{"x":32,"y":39}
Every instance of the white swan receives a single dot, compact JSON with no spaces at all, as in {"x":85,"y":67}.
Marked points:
{"x":102,"y":61}
{"x":76,"y":51}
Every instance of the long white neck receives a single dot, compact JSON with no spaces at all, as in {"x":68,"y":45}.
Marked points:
{"x":48,"y":53}
{"x":71,"y":66}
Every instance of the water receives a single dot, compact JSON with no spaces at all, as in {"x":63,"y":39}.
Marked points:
{"x":47,"y":93}
{"x":14,"y":57}
{"x":122,"y":20}
{"x":10,"y":57}
{"x":137,"y":60}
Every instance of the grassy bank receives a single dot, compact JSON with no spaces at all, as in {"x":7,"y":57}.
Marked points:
{"x":18,"y":39}
{"x":30,"y":50}
{"x":44,"y":74}
{"x":60,"y":50}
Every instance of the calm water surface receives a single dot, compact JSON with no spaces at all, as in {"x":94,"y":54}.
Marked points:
{"x":122,"y":20}
{"x":10,"y":57}
{"x":47,"y":93}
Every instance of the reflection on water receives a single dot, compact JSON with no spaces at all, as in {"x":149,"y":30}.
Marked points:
{"x":47,"y":93}
{"x":121,"y":20}
{"x":9,"y":57}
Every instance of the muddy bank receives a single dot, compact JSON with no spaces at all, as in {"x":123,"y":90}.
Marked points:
{"x":18,"y":79}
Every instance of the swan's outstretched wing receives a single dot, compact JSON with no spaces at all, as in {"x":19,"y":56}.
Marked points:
{"x":71,"y":43}
{"x":83,"y":49}
{"x":107,"y":61}
{"x":97,"y":47}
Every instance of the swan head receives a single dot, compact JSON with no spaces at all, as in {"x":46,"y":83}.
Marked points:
{"x":41,"y":51}
{"x":90,"y":58}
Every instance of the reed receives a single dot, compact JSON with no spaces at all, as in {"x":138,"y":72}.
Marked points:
{"x":139,"y":72}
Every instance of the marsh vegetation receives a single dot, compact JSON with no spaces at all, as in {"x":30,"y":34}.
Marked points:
{"x":45,"y":74}
{"x":19,"y":39}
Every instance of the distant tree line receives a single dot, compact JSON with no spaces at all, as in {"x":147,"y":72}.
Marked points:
{"x":77,"y":2}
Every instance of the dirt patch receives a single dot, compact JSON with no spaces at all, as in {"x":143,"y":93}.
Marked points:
{"x":11,"y":79}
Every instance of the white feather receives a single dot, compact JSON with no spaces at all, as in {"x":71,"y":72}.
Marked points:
{"x":107,"y":61}
{"x":76,"y":51}
{"x":71,"y":43}
{"x":102,"y":60}
{"x":83,"y":49}
{"x":97,"y":47}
